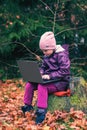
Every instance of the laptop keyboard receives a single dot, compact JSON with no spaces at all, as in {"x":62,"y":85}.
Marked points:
{"x":45,"y":79}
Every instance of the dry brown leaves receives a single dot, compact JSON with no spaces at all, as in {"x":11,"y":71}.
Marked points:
{"x":12,"y":118}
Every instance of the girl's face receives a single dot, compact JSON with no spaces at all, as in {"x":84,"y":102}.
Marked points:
{"x":48,"y":52}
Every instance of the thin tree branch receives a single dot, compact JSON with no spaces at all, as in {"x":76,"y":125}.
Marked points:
{"x":26,"y":48}
{"x":79,"y":64}
{"x":54,"y":21}
{"x":36,"y":56}
{"x":8,"y":64}
{"x":84,"y":58}
{"x":71,"y":29}
{"x":47,"y":6}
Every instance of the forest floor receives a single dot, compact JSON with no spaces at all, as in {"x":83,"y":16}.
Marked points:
{"x":12,"y":118}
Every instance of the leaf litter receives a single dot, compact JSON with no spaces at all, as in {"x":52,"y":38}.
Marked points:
{"x":12,"y":118}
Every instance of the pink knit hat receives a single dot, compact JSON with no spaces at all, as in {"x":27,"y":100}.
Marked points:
{"x":47,"y":41}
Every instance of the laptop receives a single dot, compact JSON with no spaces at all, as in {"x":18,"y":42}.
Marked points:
{"x":30,"y":72}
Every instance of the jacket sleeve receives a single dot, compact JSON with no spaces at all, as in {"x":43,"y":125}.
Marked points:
{"x":43,"y":67}
{"x":64,"y":66}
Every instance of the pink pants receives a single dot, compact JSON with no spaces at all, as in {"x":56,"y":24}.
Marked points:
{"x":43,"y":91}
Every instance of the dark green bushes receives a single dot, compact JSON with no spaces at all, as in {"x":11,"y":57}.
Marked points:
{"x":22,"y":22}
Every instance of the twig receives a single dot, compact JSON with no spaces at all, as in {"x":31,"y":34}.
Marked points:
{"x":84,"y":58}
{"x":83,"y":9}
{"x":71,"y":29}
{"x":54,"y":21}
{"x":47,"y":6}
{"x":37,"y":57}
{"x":9,"y":64}
{"x":26,"y":48}
{"x":33,"y":34}
{"x":79,"y":64}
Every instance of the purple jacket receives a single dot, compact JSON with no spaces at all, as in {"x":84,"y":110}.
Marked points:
{"x":57,"y":65}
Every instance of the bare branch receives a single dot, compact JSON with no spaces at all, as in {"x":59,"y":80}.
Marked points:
{"x":79,"y":64}
{"x":84,"y":58}
{"x":71,"y":29}
{"x":36,"y":56}
{"x":47,"y":6}
{"x":8,"y":64}
{"x":54,"y":21}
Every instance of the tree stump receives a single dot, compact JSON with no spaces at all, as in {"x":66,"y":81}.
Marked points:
{"x":78,"y":100}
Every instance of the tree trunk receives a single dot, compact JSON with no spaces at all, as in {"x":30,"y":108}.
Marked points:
{"x":78,"y":100}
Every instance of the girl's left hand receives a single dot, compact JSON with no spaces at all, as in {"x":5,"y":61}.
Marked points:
{"x":45,"y":76}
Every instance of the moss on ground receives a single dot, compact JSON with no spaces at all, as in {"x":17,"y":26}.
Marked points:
{"x":78,"y":100}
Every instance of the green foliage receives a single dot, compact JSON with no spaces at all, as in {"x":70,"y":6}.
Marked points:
{"x":24,"y":21}
{"x":78,"y":71}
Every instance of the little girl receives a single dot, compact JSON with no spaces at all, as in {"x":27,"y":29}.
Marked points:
{"x":56,"y":64}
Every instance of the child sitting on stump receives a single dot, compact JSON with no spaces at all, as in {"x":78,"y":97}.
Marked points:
{"x":56,"y":64}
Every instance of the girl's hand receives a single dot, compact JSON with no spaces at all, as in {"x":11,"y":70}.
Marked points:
{"x":45,"y":76}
